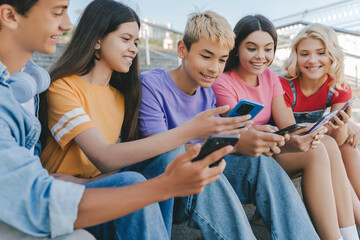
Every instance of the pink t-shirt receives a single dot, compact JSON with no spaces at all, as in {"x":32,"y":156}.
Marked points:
{"x":229,"y":89}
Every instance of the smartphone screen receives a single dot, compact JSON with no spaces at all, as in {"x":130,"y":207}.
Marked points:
{"x":215,"y":142}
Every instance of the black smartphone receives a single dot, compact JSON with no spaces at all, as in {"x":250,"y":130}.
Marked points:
{"x":245,"y":106}
{"x":290,"y":129}
{"x":215,"y":142}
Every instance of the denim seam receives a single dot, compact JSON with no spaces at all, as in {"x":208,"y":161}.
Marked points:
{"x":237,"y":174}
{"x":208,"y":223}
{"x":259,"y":197}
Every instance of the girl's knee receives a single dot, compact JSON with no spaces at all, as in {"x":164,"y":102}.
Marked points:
{"x":317,"y":156}
{"x":132,"y":177}
{"x":329,"y":142}
{"x":118,"y":180}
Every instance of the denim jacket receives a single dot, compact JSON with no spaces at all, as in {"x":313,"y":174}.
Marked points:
{"x":30,"y":199}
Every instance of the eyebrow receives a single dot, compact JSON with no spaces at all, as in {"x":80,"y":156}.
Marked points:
{"x":129,"y":34}
{"x":270,"y":43}
{"x":319,"y":49}
{"x":61,"y":6}
{"x":211,"y":53}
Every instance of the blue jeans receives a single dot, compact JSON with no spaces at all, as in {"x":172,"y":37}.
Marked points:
{"x":217,"y":211}
{"x":263,"y":182}
{"x":152,"y":168}
{"x":146,"y":223}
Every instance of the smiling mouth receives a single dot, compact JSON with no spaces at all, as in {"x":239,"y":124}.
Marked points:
{"x":313,"y":68}
{"x":257,"y":65}
{"x":207,"y":77}
{"x":129,"y":59}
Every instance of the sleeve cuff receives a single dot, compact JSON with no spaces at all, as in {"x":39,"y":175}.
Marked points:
{"x":63,"y":207}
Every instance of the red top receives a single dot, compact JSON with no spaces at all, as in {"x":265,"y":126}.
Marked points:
{"x":316,"y":101}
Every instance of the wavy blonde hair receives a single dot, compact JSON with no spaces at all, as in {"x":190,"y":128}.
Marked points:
{"x":332,"y":50}
{"x":208,"y":25}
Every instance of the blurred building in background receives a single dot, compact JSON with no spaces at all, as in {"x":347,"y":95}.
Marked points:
{"x":343,"y":17}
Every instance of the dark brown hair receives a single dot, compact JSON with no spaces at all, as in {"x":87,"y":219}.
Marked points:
{"x":100,"y":18}
{"x":243,"y":29}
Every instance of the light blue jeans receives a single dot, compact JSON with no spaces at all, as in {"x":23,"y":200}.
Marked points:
{"x":146,"y":223}
{"x":217,"y":211}
{"x":263,"y":182}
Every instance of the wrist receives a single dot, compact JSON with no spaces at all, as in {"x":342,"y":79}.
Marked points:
{"x":163,"y":187}
{"x":189,"y":132}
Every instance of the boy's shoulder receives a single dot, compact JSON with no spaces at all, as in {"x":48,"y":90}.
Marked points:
{"x":158,"y":80}
{"x":156,"y":73}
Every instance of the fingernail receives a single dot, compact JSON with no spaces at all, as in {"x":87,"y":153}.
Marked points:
{"x":196,"y":147}
{"x":229,"y":148}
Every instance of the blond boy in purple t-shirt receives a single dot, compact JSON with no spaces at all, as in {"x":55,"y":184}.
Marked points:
{"x":204,"y":50}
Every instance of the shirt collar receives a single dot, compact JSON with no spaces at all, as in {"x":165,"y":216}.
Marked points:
{"x":4,"y":74}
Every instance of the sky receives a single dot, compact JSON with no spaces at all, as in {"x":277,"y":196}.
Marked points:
{"x":176,"y":11}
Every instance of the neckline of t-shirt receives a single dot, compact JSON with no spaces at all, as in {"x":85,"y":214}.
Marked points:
{"x":325,"y":84}
{"x":93,"y":85}
{"x":179,"y":92}
{"x":242,"y":82}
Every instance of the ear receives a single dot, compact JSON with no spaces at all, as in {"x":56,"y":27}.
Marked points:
{"x":181,"y":49}
{"x":8,"y":16}
{"x":97,"y":46}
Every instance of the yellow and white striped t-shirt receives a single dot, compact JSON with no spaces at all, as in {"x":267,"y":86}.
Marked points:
{"x":75,"y":106}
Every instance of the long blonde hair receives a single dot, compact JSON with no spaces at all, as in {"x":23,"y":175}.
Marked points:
{"x":332,"y":50}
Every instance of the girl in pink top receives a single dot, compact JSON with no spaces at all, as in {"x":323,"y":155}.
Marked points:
{"x":247,"y":75}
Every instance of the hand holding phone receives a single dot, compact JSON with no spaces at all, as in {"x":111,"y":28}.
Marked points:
{"x":290,"y":129}
{"x":322,"y":121}
{"x":344,"y":108}
{"x":215,"y":142}
{"x":244,"y":107}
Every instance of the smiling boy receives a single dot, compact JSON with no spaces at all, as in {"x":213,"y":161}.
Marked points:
{"x":171,"y":98}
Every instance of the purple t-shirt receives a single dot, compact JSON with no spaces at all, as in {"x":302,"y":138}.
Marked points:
{"x":164,"y":106}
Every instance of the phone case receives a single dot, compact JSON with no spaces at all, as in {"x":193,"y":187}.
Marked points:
{"x":346,"y":105}
{"x":215,"y":142}
{"x":290,"y":129}
{"x":245,"y":106}
{"x":349,"y":103}
{"x":322,"y":121}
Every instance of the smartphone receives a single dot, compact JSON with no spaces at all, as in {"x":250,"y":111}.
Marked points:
{"x":346,"y":105}
{"x":323,"y":121}
{"x":290,"y":129}
{"x":215,"y":142}
{"x":244,"y":107}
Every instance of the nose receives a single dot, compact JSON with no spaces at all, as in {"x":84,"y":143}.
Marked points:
{"x":66,"y":24}
{"x":260,"y":54}
{"x":312,"y":58}
{"x":133,"y":48}
{"x":213,"y":67}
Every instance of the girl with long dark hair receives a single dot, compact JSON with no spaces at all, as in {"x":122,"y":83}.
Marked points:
{"x":90,"y":111}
